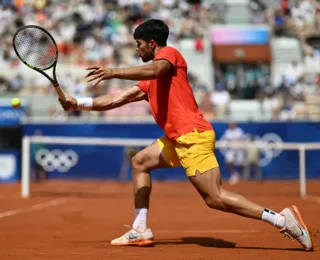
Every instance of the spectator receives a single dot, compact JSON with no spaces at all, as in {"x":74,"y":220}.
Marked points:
{"x":311,"y":57}
{"x":207,"y":107}
{"x":230,"y":78}
{"x":303,"y":15}
{"x":279,"y":23}
{"x":3,"y":85}
{"x":234,"y":157}
{"x":253,"y":161}
{"x":285,"y":7}
{"x":287,"y":113}
{"x":198,"y":43}
{"x":16,"y":84}
{"x":220,"y":99}
{"x":283,"y":88}
{"x":293,"y":72}
{"x":271,"y":104}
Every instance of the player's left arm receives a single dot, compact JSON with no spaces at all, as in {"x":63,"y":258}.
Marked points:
{"x":146,"y":72}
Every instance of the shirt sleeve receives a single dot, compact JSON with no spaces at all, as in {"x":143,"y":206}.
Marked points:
{"x":143,"y":86}
{"x":168,"y":54}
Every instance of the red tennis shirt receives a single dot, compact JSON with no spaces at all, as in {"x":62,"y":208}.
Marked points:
{"x":171,"y":99}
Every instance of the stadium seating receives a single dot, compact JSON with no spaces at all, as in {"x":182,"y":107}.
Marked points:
{"x":111,"y":44}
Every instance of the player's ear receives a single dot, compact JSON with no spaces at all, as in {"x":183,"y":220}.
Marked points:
{"x":152,"y":44}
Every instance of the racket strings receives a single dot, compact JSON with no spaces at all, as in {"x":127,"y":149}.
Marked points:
{"x":36,"y":48}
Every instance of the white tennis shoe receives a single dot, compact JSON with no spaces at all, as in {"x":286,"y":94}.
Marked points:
{"x":295,"y":228}
{"x":134,"y":238}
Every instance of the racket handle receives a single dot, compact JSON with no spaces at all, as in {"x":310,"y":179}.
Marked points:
{"x":60,"y":92}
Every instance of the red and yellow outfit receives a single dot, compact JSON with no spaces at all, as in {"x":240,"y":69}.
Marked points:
{"x":189,"y":139}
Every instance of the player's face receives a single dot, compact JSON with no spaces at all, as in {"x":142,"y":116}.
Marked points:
{"x":145,"y":50}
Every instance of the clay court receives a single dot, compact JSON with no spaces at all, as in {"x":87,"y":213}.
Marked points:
{"x":76,"y":220}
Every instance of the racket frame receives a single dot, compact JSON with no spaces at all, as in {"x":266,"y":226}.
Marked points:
{"x":53,"y":80}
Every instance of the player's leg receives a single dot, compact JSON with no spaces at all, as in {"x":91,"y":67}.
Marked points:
{"x":143,"y":162}
{"x":209,"y":186}
{"x":289,"y":220}
{"x":196,"y":153}
{"x":160,"y":154}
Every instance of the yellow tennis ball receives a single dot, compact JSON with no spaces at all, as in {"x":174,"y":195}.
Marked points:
{"x":15,"y":102}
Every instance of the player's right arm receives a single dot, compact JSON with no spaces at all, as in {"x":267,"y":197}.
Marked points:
{"x":105,"y":102}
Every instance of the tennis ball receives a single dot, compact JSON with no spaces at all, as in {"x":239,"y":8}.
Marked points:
{"x":15,"y":102}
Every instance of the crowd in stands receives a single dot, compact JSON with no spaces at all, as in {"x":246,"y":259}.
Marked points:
{"x":95,"y":32}
{"x":296,"y":90}
{"x":99,"y":32}
{"x":294,"y":94}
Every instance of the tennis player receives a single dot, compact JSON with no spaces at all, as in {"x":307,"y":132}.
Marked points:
{"x":189,"y":139}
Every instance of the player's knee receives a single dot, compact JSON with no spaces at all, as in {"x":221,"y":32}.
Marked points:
{"x":215,"y":201}
{"x":138,"y":162}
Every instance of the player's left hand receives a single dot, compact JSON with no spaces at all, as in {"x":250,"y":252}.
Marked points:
{"x":98,"y":74}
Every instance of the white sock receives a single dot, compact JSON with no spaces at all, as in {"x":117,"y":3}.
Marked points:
{"x":273,"y":218}
{"x":140,"y":221}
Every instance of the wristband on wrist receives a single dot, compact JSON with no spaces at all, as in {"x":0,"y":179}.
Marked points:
{"x":84,"y":103}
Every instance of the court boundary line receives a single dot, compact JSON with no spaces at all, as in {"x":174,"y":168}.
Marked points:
{"x":209,"y":231}
{"x":35,"y":207}
{"x":312,"y":198}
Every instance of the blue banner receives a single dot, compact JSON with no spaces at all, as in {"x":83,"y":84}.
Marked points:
{"x":9,"y":166}
{"x":10,"y":116}
{"x":77,"y":161}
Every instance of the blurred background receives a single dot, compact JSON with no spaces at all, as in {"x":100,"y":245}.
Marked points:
{"x":254,"y":62}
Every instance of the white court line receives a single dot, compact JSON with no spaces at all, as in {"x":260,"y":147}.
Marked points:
{"x":39,"y":206}
{"x":211,"y":231}
{"x":313,"y":198}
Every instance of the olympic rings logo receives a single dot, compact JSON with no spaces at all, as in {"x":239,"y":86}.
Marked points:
{"x":267,"y":154}
{"x":56,"y":160}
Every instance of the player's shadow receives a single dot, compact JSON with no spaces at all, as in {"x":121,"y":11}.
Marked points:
{"x":215,"y":242}
{"x":201,"y":241}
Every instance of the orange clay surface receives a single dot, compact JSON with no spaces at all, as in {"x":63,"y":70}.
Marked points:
{"x":77,"y":220}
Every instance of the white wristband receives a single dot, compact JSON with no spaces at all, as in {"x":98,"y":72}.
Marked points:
{"x":84,"y":103}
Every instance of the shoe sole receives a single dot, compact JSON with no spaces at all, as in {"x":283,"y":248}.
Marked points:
{"x":143,"y":242}
{"x":298,"y":217}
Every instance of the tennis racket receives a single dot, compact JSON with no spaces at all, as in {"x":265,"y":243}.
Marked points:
{"x":37,"y":49}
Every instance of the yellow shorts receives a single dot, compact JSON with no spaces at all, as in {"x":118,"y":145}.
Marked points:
{"x":194,"y":151}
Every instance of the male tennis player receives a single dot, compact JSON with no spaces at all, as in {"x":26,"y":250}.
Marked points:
{"x":189,"y":139}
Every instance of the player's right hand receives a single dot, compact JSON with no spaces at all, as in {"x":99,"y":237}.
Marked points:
{"x":69,"y":104}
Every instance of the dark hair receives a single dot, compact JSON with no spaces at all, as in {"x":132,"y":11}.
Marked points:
{"x":152,"y":29}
